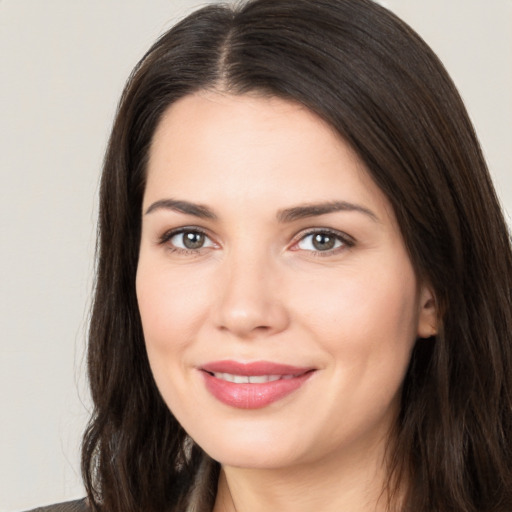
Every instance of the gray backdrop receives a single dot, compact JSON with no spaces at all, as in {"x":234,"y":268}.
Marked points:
{"x":63,"y":64}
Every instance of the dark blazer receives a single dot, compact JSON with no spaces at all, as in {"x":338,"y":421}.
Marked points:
{"x":69,"y":506}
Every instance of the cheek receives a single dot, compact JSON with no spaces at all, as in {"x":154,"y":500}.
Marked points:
{"x":366,"y":326}
{"x":363,"y":319}
{"x":355,"y":298}
{"x":172,"y":308}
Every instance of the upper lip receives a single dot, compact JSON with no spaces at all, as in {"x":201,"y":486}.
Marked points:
{"x":254,"y":368}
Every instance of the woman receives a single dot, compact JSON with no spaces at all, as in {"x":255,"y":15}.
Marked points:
{"x":303,"y":288}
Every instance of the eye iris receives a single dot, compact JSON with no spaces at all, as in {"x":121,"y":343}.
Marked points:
{"x":193,"y":240}
{"x":323,"y":242}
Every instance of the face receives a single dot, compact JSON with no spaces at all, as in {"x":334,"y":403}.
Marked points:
{"x":278,"y":302}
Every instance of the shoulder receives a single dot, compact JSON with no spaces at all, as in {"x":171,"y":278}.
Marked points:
{"x":69,"y":506}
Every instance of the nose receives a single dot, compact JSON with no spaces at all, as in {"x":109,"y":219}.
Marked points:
{"x":250,"y":302}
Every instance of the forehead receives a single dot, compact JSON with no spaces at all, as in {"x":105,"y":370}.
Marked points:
{"x":211,"y":146}
{"x":249,"y":120}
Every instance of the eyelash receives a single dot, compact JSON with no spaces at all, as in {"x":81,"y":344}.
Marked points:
{"x":345,"y":240}
{"x":168,"y":235}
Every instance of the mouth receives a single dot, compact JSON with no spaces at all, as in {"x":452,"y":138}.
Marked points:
{"x":253,"y":385}
{"x":251,"y":379}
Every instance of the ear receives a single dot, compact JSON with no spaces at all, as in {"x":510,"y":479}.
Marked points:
{"x":427,"y":315}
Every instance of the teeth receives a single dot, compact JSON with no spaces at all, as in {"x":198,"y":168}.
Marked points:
{"x":260,"y":379}
{"x":251,"y":379}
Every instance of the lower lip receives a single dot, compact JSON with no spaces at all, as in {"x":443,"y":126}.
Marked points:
{"x":253,"y":396}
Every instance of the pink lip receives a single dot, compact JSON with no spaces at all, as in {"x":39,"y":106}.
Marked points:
{"x":258,"y":395}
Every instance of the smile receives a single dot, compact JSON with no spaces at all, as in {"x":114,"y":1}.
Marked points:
{"x":251,"y":379}
{"x":252,"y":385}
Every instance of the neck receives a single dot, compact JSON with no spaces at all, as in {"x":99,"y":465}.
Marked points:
{"x":356,"y":485}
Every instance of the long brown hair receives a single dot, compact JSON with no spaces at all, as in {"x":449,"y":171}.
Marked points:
{"x":379,"y":85}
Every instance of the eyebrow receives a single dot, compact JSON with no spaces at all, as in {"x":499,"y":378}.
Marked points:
{"x":197,"y":210}
{"x":313,"y":210}
{"x":284,"y":216}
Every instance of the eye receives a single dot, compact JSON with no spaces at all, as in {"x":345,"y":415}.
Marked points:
{"x":187,"y":240}
{"x":324,"y":241}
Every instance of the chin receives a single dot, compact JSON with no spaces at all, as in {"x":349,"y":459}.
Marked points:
{"x":253,"y":446}
{"x":254,"y":457}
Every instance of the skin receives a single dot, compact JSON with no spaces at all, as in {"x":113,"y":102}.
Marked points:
{"x":259,"y":289}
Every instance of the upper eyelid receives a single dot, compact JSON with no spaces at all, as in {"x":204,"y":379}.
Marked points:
{"x":335,"y":232}
{"x":168,"y":234}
